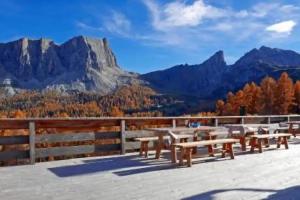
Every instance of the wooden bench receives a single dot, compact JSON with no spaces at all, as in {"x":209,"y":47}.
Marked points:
{"x":144,"y":148}
{"x":257,"y":140}
{"x":186,"y":149}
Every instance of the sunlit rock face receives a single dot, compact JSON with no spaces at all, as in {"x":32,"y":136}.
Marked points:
{"x":81,"y":63}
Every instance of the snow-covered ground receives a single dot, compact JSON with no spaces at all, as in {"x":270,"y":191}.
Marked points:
{"x":274,"y":174}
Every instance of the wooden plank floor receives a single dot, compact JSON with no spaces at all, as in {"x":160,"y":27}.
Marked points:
{"x":274,"y":174}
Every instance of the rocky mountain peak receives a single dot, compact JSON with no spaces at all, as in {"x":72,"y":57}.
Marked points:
{"x":216,"y":59}
{"x":81,"y":63}
{"x":269,"y":56}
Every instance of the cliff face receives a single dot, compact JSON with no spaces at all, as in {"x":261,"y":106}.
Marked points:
{"x":82,"y":64}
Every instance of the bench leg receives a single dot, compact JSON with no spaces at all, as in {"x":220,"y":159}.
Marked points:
{"x":285,"y":141}
{"x":188,"y":154}
{"x":182,"y":153}
{"x":224,"y":149}
{"x":266,"y":142}
{"x":195,"y":138}
{"x":279,"y":142}
{"x":227,"y":148}
{"x":210,"y":150}
{"x":173,"y":154}
{"x":230,"y":149}
{"x":141,"y":148}
{"x":159,"y":146}
{"x":253,"y":144}
{"x":146,"y":149}
{"x":243,"y":143}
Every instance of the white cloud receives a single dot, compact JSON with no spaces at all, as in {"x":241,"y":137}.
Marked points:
{"x":180,"y":14}
{"x":282,"y":27}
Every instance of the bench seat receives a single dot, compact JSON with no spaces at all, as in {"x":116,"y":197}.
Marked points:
{"x":262,"y":136}
{"x":257,"y":140}
{"x":186,"y":149}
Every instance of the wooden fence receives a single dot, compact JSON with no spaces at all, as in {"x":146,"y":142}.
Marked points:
{"x":34,"y":140}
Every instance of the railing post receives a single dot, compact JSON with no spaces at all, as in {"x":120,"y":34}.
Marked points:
{"x":173,"y":123}
{"x":123,"y":137}
{"x":242,"y":120}
{"x":269,"y":120}
{"x":288,"y":118}
{"x":32,"y":142}
{"x":216,"y":122}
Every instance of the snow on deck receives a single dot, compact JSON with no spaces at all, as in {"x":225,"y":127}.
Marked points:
{"x":274,"y":174}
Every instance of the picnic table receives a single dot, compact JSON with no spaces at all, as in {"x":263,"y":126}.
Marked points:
{"x":161,"y":132}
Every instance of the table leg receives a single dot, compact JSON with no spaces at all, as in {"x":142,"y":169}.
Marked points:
{"x":259,"y":145}
{"x":285,"y":141}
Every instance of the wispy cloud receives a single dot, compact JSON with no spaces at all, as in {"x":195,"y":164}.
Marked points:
{"x":195,"y":24}
{"x":118,"y":23}
{"x":179,"y":14}
{"x":114,"y":23}
{"x":285,"y":27}
{"x":181,"y":23}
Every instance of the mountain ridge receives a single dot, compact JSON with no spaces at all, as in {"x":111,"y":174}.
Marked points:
{"x":89,"y":65}
{"x":216,"y":78}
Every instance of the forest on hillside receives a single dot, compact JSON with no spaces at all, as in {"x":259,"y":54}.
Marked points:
{"x":271,"y":96}
{"x":131,"y":100}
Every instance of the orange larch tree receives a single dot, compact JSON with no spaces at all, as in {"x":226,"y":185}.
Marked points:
{"x":220,"y":106}
{"x":267,"y":100}
{"x":284,"y":94}
{"x":297,"y":96}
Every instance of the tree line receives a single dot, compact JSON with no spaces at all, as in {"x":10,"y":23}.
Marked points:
{"x":134,"y":99}
{"x":271,"y":96}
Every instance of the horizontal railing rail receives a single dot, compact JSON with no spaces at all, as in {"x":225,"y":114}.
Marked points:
{"x":35,"y":139}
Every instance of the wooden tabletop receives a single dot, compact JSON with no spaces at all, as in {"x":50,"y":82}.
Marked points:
{"x":182,"y":129}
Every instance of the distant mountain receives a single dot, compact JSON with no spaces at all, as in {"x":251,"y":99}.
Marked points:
{"x":85,"y":64}
{"x":214,"y":78}
{"x":197,"y":80}
{"x":82,"y":64}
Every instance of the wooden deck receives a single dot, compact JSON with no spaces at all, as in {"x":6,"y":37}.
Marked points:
{"x":271,"y":175}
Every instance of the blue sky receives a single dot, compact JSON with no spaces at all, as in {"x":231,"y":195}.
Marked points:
{"x":148,"y":35}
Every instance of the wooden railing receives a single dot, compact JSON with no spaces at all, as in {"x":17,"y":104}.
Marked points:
{"x":32,"y":140}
